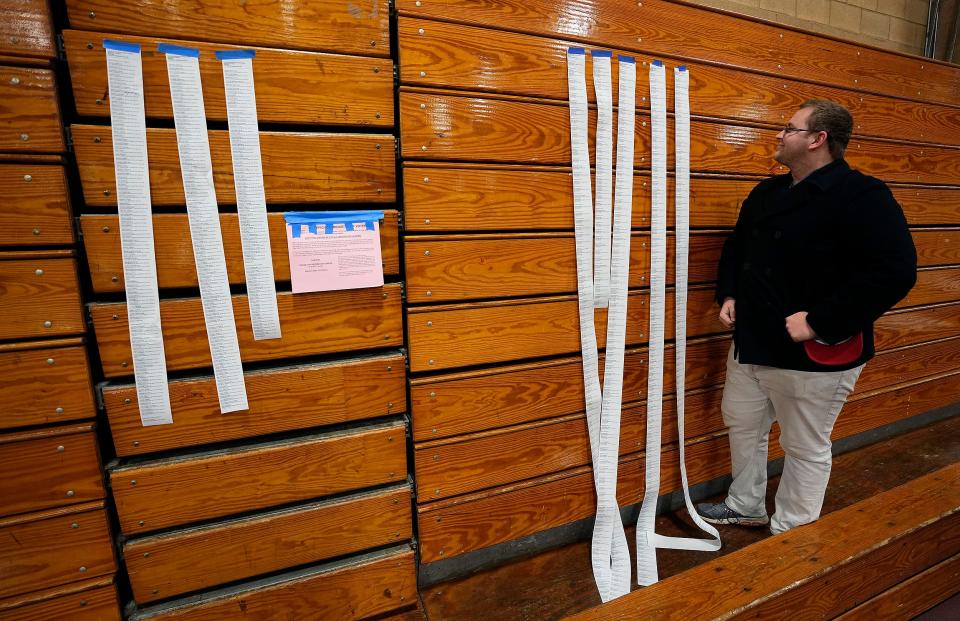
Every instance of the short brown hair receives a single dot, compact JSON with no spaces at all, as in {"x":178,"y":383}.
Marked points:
{"x":831,"y":117}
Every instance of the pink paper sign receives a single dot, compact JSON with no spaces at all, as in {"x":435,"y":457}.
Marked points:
{"x":333,"y":256}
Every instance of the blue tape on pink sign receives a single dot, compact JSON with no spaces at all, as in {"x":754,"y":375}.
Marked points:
{"x":328,"y":219}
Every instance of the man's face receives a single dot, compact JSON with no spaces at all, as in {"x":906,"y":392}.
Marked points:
{"x":793,"y":146}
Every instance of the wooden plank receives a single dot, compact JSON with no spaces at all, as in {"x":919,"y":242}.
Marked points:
{"x":30,"y":116}
{"x":169,"y":492}
{"x":445,"y":337}
{"x":188,"y":560}
{"x":340,"y":167}
{"x":281,"y":399}
{"x":49,"y":468}
{"x":39,"y":297}
{"x":26,"y":29}
{"x":36,"y":391}
{"x":50,"y":548}
{"x":175,"y":263}
{"x":451,"y":268}
{"x":662,"y":28}
{"x":458,"y":403}
{"x":368,"y":585}
{"x":909,"y":363}
{"x":36,"y":206}
{"x":91,"y":600}
{"x":443,"y":55}
{"x":292,"y":86}
{"x":934,"y":285}
{"x":503,"y":198}
{"x":518,"y":130}
{"x":925,"y":206}
{"x":319,"y":25}
{"x":914,"y":325}
{"x":937,"y":246}
{"x":911,"y":597}
{"x":872,"y":545}
{"x":313,"y":323}
{"x":473,"y":522}
{"x":867,"y":411}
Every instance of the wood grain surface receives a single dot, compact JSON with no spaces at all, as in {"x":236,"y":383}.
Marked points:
{"x":682,"y":31}
{"x":909,"y":363}
{"x":45,"y":385}
{"x":443,"y":55}
{"x":520,"y":130}
{"x":372,"y":585}
{"x":175,"y":263}
{"x":823,"y":568}
{"x":90,"y":600}
{"x":49,"y":548}
{"x":451,"y":268}
{"x":27,"y":29}
{"x":312,"y":323}
{"x":30,"y":116}
{"x":174,"y":491}
{"x":458,"y":403}
{"x":445,"y":337}
{"x":913,"y":596}
{"x":340,"y":167}
{"x":480,"y":520}
{"x":320,"y":25}
{"x":937,"y":246}
{"x":39,"y":297}
{"x":502,"y":198}
{"x":280,"y":399}
{"x":923,"y":206}
{"x":291,"y":86}
{"x":934,"y":285}
{"x":36,"y":209}
{"x":915,"y":325}
{"x":50,"y":467}
{"x":184,"y":561}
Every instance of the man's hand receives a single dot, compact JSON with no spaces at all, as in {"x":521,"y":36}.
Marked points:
{"x":728,"y":313}
{"x":799,"y":329}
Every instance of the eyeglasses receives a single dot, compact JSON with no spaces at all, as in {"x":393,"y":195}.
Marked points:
{"x":789,"y":129}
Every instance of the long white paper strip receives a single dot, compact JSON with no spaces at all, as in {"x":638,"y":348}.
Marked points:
{"x":125,"y":81}
{"x":183,"y":71}
{"x":653,"y":540}
{"x":612,"y":402}
{"x":609,"y":552}
{"x":646,"y":552}
{"x":604,"y":173}
{"x":251,"y":203}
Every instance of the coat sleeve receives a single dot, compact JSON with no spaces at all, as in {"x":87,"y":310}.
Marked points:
{"x":728,"y":270}
{"x":880,"y":263}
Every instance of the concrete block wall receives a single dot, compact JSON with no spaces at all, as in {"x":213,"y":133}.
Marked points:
{"x":890,"y":24}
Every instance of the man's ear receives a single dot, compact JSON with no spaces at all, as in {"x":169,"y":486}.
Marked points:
{"x":821,"y":139}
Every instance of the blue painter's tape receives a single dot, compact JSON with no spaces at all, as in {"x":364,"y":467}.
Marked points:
{"x":167,"y":48}
{"x":121,"y":46}
{"x":234,"y":54}
{"x":601,"y":53}
{"x":683,"y":67}
{"x":328,"y":219}
{"x":576,"y":50}
{"x":658,"y":63}
{"x":626,"y":59}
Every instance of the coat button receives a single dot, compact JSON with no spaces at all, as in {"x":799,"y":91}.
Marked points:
{"x":777,"y":234}
{"x":767,"y":271}
{"x":746,"y":266}
{"x":756,"y":232}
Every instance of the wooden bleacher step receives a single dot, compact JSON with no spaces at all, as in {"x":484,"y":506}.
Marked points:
{"x":902,"y":543}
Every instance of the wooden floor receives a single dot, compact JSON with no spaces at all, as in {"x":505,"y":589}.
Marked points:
{"x":559,"y":582}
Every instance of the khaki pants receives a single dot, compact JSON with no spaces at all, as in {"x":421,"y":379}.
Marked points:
{"x":805,"y":405}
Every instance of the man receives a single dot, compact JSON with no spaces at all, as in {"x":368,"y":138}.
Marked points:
{"x":816,"y":256}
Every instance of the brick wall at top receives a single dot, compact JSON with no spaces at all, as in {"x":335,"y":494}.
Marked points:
{"x":891,"y":24}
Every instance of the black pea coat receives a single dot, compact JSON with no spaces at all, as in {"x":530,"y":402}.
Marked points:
{"x":835,"y":245}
